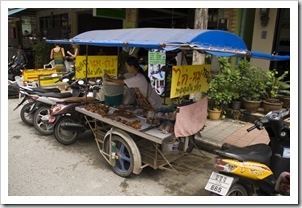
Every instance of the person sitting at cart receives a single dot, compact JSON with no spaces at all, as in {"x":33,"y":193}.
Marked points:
{"x":147,"y":98}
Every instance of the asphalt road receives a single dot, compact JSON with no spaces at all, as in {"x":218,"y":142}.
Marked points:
{"x":40,"y":166}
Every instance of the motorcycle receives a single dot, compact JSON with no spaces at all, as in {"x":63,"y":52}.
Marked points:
{"x":66,"y":122}
{"x":15,"y":67}
{"x":43,"y":105}
{"x":37,"y":96}
{"x":254,"y":169}
{"x":13,"y":88}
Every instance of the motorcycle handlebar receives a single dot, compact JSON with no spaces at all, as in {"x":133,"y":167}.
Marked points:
{"x":251,"y":128}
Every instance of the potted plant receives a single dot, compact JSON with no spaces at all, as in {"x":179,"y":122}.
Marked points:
{"x":275,"y":85}
{"x":252,"y":85}
{"x":222,"y":89}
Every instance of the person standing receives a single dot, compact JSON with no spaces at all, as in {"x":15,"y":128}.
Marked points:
{"x":58,"y":55}
{"x":147,"y":98}
{"x":75,"y":51}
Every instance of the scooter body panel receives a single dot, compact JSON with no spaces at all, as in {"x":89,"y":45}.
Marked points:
{"x":248,"y":169}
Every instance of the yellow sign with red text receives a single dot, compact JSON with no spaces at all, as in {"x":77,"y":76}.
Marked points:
{"x":190,"y":79}
{"x":97,"y":66}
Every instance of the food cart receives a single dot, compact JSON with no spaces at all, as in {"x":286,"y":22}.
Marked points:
{"x":124,"y":136}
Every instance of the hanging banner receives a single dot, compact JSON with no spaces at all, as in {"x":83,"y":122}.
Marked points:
{"x":97,"y":66}
{"x":190,"y":79}
{"x":156,"y":67}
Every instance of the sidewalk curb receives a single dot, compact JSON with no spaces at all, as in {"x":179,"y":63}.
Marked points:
{"x":208,"y":145}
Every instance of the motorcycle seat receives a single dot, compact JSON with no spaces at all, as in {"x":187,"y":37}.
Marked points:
{"x":73,"y":99}
{"x":38,"y":89}
{"x":56,"y":95}
{"x":257,"y":153}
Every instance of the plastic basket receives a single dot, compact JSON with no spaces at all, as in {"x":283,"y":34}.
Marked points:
{"x":112,"y":89}
{"x":113,"y":100}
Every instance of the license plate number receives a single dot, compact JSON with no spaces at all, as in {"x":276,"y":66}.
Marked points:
{"x":219,"y":184}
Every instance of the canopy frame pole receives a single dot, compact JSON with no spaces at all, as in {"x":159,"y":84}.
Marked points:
{"x":86,"y":71}
{"x":189,"y":47}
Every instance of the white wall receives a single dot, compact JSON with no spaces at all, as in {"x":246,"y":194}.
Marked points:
{"x":260,"y":43}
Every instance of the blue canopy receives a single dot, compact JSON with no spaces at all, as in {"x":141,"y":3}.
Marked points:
{"x":14,"y":11}
{"x":216,"y":42}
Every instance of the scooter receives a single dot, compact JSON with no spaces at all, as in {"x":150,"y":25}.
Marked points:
{"x":66,"y":122}
{"x":13,"y":88}
{"x":254,"y":169}
{"x":40,"y":95}
{"x":43,"y":105}
{"x":15,"y":67}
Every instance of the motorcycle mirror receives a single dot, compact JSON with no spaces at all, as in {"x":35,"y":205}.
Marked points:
{"x":65,"y":80}
{"x":54,"y":75}
{"x":98,"y":81}
{"x":80,"y":82}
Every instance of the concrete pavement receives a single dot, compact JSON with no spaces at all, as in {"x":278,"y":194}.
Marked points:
{"x":233,"y":132}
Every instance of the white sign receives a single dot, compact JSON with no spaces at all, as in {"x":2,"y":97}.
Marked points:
{"x":219,"y":184}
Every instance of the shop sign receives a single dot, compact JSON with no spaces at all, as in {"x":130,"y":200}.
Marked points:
{"x":118,"y":13}
{"x":190,"y":79}
{"x":97,"y":66}
{"x":156,"y":70}
{"x":33,"y":74}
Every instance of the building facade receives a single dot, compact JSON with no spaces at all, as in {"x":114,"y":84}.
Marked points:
{"x":263,"y":29}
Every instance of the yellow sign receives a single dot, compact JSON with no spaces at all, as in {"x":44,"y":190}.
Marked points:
{"x":97,"y":66}
{"x":45,"y":80}
{"x":32,"y":74}
{"x":190,"y":79}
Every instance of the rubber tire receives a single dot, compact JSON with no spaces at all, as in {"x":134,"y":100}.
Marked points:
{"x":37,"y":121}
{"x":25,"y":108}
{"x":237,"y":188}
{"x":123,"y":168}
{"x":58,"y":131}
{"x":234,"y":188}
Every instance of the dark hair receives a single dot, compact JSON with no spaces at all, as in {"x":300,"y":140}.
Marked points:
{"x":132,"y":61}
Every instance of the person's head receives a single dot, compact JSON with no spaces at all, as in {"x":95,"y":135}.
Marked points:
{"x":132,"y":64}
{"x":74,"y":46}
{"x":57,"y":45}
{"x":133,"y":67}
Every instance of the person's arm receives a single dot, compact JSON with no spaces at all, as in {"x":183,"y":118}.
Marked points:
{"x":63,"y":52}
{"x":118,"y":81}
{"x":76,"y":51}
{"x":51,"y":54}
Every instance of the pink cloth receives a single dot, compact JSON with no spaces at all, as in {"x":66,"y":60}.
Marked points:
{"x":191,"y":118}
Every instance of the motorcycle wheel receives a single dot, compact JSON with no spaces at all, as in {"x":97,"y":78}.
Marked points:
{"x":39,"y":125}
{"x":64,"y":136}
{"x":125,"y":162}
{"x":237,"y":190}
{"x":191,"y":143}
{"x":25,"y":116}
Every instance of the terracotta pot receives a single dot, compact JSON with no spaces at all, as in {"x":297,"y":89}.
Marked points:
{"x":214,"y":114}
{"x":251,"y":105}
{"x":286,"y":101}
{"x":271,"y":105}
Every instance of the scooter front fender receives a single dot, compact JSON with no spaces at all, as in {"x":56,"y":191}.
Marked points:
{"x":56,"y":119}
{"x":23,"y":100}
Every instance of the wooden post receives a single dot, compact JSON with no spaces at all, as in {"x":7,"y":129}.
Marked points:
{"x":200,"y":22}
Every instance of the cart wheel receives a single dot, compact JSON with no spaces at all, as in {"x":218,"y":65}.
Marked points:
{"x":25,"y":116}
{"x":40,"y":126}
{"x":124,"y":162}
{"x":64,"y":136}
